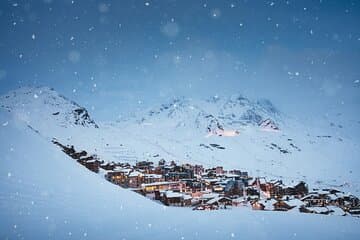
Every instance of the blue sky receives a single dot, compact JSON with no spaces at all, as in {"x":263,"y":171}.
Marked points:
{"x":120,"y":54}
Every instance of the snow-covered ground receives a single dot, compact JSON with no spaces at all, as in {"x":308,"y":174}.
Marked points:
{"x":323,"y":154}
{"x":45,"y":194}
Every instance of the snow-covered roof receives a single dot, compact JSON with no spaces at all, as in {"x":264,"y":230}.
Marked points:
{"x":294,"y":202}
{"x":311,"y":195}
{"x":214,"y":200}
{"x":186,"y":197}
{"x":158,"y":184}
{"x":240,"y":199}
{"x":135,"y":174}
{"x":337,"y":211}
{"x":152,"y":175}
{"x":211,"y":180}
{"x":269,"y":204}
{"x":318,"y":209}
{"x":124,"y":170}
{"x":171,"y":194}
{"x":209,"y":195}
{"x":230,"y":175}
{"x":323,"y":192}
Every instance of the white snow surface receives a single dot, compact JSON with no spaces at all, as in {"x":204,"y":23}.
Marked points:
{"x":178,"y":130}
{"x":45,"y":194}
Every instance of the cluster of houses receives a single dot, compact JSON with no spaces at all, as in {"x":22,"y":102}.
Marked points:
{"x":202,"y":188}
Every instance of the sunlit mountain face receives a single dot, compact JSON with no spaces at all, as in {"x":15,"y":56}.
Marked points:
{"x":179,"y":119}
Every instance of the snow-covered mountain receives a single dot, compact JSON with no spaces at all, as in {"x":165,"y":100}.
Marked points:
{"x":42,"y":186}
{"x":234,"y":132}
{"x":43,"y":105}
{"x":213,"y":115}
{"x":45,"y":194}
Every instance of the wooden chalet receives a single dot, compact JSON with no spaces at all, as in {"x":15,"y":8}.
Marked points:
{"x":282,"y":206}
{"x":170,"y":198}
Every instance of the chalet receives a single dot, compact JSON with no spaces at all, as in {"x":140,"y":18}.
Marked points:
{"x":272,"y":189}
{"x":162,"y":186}
{"x":235,"y":172}
{"x":134,"y":179}
{"x":256,"y":205}
{"x":197,"y":195}
{"x":304,"y":209}
{"x":219,"y":170}
{"x":252,"y":191}
{"x":293,"y":202}
{"x":240,"y":174}
{"x":221,"y":202}
{"x":198,"y":169}
{"x":235,"y":187}
{"x":144,"y":165}
{"x":210,"y":183}
{"x":152,"y":178}
{"x":299,"y":190}
{"x":316,"y":210}
{"x":92,"y":164}
{"x":208,"y":196}
{"x":354,"y":211}
{"x":282,"y":206}
{"x":230,"y":176}
{"x":240,"y":201}
{"x":179,"y":172}
{"x":206,"y":207}
{"x":171,"y":198}
{"x":118,"y":175}
{"x":316,"y":199}
{"x":218,"y":188}
{"x":108,"y":166}
{"x":351,"y":201}
{"x":162,"y":162}
{"x":125,"y":177}
{"x":194,"y":185}
{"x":268,"y":204}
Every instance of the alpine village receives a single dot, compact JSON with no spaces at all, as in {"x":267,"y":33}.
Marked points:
{"x":198,"y":188}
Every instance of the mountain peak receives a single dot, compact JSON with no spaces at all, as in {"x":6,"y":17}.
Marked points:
{"x":214,"y":114}
{"x":36,"y":104}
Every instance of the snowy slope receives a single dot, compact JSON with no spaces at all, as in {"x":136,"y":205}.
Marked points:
{"x":41,"y":106}
{"x":266,"y":141}
{"x":234,"y":132}
{"x":44,"y":194}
